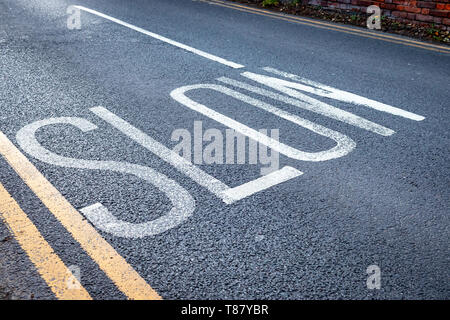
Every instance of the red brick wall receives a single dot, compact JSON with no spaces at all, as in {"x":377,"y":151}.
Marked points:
{"x":419,"y":12}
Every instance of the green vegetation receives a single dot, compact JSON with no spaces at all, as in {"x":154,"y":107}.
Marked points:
{"x":432,"y":30}
{"x":270,"y":3}
{"x":434,"y":33}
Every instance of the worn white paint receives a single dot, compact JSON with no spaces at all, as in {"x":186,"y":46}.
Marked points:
{"x":305,"y":102}
{"x":333,"y":93}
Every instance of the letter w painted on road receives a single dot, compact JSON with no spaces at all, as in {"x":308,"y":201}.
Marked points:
{"x":325,"y":91}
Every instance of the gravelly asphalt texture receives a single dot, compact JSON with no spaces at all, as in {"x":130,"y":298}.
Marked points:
{"x":385,"y":203}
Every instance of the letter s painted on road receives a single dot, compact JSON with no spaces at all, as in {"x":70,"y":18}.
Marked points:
{"x":98,"y":215}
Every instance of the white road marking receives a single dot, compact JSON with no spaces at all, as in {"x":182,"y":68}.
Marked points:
{"x":214,"y":185}
{"x":181,"y":164}
{"x":164,"y":39}
{"x":333,"y":93}
{"x":305,"y":102}
{"x":344,"y":144}
{"x":182,"y":201}
{"x":262,"y":183}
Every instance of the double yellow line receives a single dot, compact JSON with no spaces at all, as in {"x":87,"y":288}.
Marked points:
{"x":331,"y":26}
{"x":58,"y":277}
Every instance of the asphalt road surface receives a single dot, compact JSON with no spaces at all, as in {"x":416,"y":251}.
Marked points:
{"x":91,"y":189}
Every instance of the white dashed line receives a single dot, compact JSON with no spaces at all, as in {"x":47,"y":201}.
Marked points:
{"x":164,"y":39}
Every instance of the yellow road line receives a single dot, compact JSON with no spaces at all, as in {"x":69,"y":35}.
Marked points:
{"x":115,"y":267}
{"x":328,"y":26}
{"x":48,"y":264}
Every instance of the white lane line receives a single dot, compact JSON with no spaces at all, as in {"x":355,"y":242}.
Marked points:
{"x":161,"y":38}
{"x":262,"y":183}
